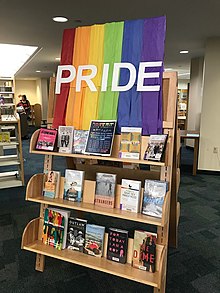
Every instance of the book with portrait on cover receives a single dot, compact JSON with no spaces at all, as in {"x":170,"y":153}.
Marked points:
{"x":76,"y":234}
{"x":144,"y":250}
{"x":46,"y":139}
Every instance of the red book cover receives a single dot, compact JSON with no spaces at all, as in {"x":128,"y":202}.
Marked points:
{"x":47,"y":139}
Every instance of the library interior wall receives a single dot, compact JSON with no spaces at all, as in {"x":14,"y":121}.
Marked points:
{"x":28,"y":88}
{"x":210,"y":114}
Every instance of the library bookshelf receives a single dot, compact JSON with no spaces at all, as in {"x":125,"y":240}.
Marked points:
{"x":31,"y":239}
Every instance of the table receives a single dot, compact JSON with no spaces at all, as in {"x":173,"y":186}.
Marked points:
{"x":192,"y":134}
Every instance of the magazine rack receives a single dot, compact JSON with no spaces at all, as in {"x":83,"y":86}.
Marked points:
{"x":31,"y":239}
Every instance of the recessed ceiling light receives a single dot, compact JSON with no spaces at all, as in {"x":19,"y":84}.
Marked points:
{"x":38,"y":70}
{"x":60,"y":19}
{"x":57,"y":58}
{"x":168,"y":69}
{"x":184,"y":52}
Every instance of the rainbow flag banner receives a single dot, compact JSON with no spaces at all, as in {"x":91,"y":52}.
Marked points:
{"x":116,"y":73}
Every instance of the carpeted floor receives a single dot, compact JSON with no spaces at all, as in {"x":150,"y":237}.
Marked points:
{"x":193,"y":267}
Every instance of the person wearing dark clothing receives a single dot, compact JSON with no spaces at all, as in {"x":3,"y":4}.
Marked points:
{"x":24,"y":109}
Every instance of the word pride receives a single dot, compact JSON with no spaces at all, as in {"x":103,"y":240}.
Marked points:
{"x":140,"y":75}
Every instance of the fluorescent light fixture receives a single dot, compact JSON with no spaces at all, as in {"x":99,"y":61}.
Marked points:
{"x":38,"y":70}
{"x":187,"y":73}
{"x":184,"y":52}
{"x":57,"y":58}
{"x":13,"y":57}
{"x":60,"y":19}
{"x":168,"y":69}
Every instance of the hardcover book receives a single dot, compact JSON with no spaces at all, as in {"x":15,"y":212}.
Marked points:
{"x":73,"y":185}
{"x":76,"y":234}
{"x":94,"y":240}
{"x":65,"y":139}
{"x":153,"y":199}
{"x":130,"y":144}
{"x":100,"y":137}
{"x":155,"y":147}
{"x":144,"y":251}
{"x":47,"y":139}
{"x":51,"y":184}
{"x":105,"y":190}
{"x":130,"y":195}
{"x":55,"y":227}
{"x":79,"y":141}
{"x":117,"y":245}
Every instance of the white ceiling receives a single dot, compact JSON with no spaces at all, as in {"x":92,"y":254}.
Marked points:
{"x":26,"y":22}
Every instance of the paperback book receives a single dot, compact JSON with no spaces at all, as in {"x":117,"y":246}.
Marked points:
{"x":105,"y":190}
{"x":47,"y":139}
{"x":153,"y":199}
{"x":79,"y":141}
{"x":5,"y":137}
{"x":117,"y":245}
{"x":100,"y":137}
{"x":65,"y":139}
{"x":144,"y":251}
{"x":130,"y":195}
{"x":94,"y":240}
{"x":51,"y":184}
{"x":73,"y":185}
{"x":55,"y":227}
{"x":155,"y":147}
{"x":130,"y":144}
{"x":76,"y":234}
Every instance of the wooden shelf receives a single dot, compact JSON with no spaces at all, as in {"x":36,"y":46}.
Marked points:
{"x":31,"y":242}
{"x":34,"y":193}
{"x":113,"y":158}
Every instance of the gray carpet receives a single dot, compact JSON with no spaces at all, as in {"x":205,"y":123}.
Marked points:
{"x":193,"y":267}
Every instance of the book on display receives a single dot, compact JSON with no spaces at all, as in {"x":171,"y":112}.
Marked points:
{"x":73,"y":185}
{"x":100,"y":137}
{"x":130,"y":195}
{"x":144,"y":250}
{"x":51,"y":184}
{"x":65,"y":139}
{"x":79,"y":141}
{"x":130,"y":144}
{"x":94,"y":240}
{"x":155,"y":148}
{"x":105,"y":190}
{"x":47,"y":139}
{"x":76,"y":234}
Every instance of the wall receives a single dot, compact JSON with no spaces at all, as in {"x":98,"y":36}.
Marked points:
{"x":27,"y":87}
{"x":42,"y":92}
{"x":210,"y":116}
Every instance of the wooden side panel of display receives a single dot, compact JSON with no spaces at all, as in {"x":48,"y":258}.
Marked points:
{"x":51,"y":100}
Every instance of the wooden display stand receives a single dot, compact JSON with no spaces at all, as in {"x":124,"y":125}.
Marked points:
{"x":31,"y":239}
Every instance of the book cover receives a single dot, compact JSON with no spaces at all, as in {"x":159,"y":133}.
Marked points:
{"x":130,"y":144}
{"x":73,"y":185}
{"x":51,"y":184}
{"x":153,"y":199}
{"x":155,"y":147}
{"x":94,"y":240}
{"x":76,"y":234}
{"x":117,"y":245}
{"x":144,"y":250}
{"x":79,"y":141}
{"x":100,"y":137}
{"x":105,"y":190}
{"x":130,"y":195}
{"x":46,"y":139}
{"x":55,"y":227}
{"x":5,"y":137}
{"x":65,"y":139}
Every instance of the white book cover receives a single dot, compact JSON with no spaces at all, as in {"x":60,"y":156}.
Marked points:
{"x":66,"y":215}
{"x":73,"y":185}
{"x":65,"y":139}
{"x":130,"y":195}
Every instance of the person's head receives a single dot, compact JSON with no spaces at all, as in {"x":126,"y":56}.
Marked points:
{"x":24,"y":98}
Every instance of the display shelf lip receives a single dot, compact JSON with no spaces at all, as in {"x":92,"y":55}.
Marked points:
{"x":92,"y":208}
{"x":93,"y":157}
{"x":101,"y":264}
